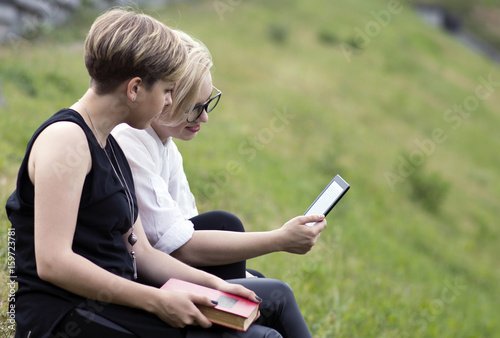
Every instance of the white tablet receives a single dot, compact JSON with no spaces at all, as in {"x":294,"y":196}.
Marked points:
{"x":328,"y":198}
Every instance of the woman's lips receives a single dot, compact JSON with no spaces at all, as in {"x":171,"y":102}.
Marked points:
{"x":194,"y":129}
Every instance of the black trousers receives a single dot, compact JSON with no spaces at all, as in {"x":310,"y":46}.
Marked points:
{"x":280,"y":317}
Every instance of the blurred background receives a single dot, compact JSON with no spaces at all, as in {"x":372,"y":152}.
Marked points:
{"x":398,"y":97}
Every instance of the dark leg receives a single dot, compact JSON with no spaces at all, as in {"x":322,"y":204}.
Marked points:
{"x":254,"y":331}
{"x":279,"y":309}
{"x":95,"y":319}
{"x":225,"y":221}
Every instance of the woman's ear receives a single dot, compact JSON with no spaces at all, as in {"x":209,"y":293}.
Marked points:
{"x":134,"y":88}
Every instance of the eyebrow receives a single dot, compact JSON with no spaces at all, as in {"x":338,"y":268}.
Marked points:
{"x":202,"y":103}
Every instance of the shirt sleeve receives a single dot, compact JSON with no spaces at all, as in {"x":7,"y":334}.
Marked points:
{"x":178,"y":186}
{"x":166,"y":227}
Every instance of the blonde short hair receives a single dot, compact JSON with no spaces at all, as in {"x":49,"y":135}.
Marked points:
{"x":187,"y":89}
{"x":123,"y":44}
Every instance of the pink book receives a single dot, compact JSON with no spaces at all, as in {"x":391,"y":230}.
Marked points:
{"x":232,"y":311}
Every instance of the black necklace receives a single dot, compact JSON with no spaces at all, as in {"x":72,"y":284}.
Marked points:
{"x":132,"y":238}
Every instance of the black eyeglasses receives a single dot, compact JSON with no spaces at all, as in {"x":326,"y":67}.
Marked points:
{"x":208,"y":107}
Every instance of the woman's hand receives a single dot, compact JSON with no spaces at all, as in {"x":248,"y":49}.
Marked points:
{"x":297,"y":237}
{"x":237,"y":290}
{"x":178,"y":308}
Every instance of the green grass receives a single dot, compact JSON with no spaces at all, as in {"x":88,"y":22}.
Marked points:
{"x":295,"y":111}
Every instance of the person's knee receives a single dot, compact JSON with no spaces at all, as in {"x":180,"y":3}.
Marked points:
{"x":280,"y":295}
{"x":230,"y":221}
{"x":255,"y":331}
{"x":280,"y":290}
{"x":273,"y":334}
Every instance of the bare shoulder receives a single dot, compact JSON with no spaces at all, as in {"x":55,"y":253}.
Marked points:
{"x":61,"y":145}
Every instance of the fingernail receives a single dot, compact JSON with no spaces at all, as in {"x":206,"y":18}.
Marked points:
{"x":215,"y":302}
{"x":258,"y":298}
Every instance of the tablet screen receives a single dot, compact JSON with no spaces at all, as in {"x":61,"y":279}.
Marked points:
{"x":328,"y":197}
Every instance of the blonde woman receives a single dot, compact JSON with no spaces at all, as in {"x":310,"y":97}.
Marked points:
{"x":214,"y":241}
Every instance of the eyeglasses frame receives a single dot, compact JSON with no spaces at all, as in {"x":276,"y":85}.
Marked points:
{"x":205,"y":105}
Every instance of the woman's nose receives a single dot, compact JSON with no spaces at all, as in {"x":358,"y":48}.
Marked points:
{"x":204,"y":116}
{"x":168,"y":99}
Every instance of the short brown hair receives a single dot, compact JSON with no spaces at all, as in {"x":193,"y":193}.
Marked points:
{"x":123,"y":44}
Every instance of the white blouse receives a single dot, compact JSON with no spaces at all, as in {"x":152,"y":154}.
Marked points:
{"x":163,"y":195}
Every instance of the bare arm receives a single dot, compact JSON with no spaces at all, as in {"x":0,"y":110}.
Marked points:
{"x":157,"y":267}
{"x":211,"y":247}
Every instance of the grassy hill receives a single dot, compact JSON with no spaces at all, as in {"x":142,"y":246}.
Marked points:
{"x":404,"y":113}
{"x":480,"y":17}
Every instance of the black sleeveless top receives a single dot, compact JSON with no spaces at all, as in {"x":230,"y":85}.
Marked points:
{"x":103,"y":217}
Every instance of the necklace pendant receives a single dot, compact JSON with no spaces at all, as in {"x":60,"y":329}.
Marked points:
{"x":132,"y":239}
{"x":134,"y":263}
